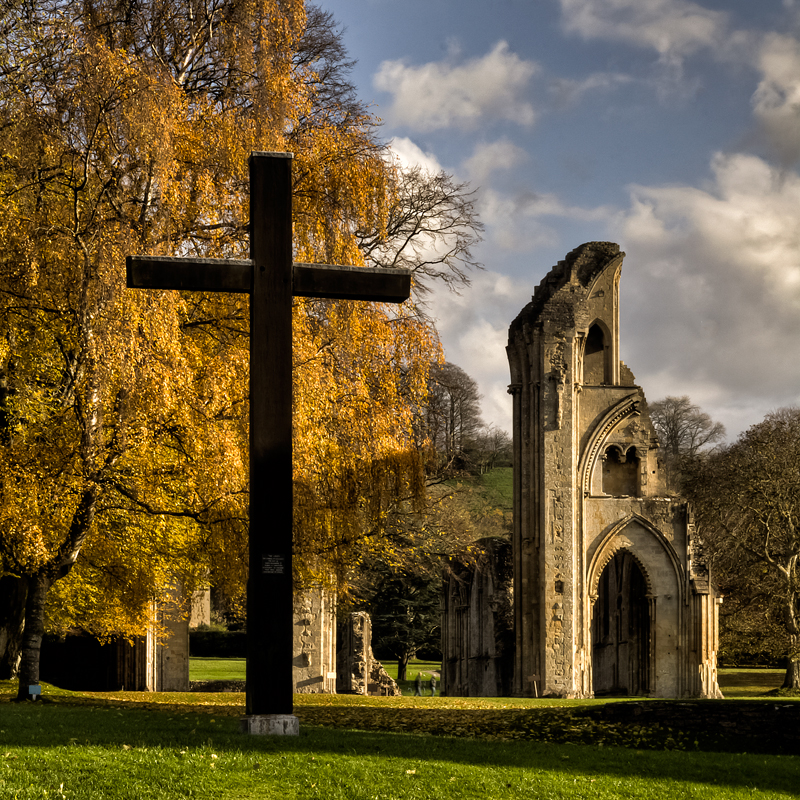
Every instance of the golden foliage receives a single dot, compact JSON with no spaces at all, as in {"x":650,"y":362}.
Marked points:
{"x":123,"y":414}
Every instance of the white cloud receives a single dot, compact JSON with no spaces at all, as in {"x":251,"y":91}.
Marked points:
{"x":674,"y":28}
{"x":517,"y":222}
{"x":711,"y":290}
{"x":473,"y":326}
{"x":776,"y":102}
{"x":567,"y":91}
{"x":489,"y":157}
{"x":444,"y":94}
{"x":410,"y":154}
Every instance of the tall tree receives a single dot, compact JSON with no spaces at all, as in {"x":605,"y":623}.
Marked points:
{"x":406,"y":616}
{"x":747,"y":504}
{"x":684,"y":429}
{"x":431,"y":227}
{"x":452,"y":415}
{"x":87,"y":177}
{"x":126,"y":128}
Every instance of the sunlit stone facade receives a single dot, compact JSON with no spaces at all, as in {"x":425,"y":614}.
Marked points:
{"x":611,"y":594}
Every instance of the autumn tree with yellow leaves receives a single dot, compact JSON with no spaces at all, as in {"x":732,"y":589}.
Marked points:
{"x":126,"y":128}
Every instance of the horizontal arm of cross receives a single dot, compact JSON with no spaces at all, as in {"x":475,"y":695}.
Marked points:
{"x":230,"y":275}
{"x":351,"y":283}
{"x":189,"y":274}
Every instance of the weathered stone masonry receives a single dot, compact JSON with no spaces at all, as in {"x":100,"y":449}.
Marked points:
{"x":610,"y":592}
{"x":477,"y":624}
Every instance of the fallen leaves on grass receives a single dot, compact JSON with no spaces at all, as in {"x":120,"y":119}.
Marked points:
{"x":556,"y":725}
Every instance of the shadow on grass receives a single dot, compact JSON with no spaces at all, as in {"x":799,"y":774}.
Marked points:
{"x":58,"y":726}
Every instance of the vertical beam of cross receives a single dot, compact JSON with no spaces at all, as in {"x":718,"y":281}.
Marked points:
{"x":271,"y":279}
{"x":269,"y":585}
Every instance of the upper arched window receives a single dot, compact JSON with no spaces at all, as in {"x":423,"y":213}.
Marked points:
{"x":594,"y":357}
{"x":621,"y":472}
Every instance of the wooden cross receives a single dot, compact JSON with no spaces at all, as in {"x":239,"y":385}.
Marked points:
{"x":271,"y":279}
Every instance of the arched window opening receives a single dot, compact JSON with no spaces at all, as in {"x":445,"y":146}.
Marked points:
{"x":621,"y":630}
{"x":594,"y":358}
{"x":620,"y":473}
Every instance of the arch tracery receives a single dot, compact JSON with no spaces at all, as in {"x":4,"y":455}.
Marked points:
{"x":627,"y":407}
{"x":615,"y":540}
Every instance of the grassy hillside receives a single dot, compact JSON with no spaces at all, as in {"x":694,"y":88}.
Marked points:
{"x":487,"y":499}
{"x":497,"y":486}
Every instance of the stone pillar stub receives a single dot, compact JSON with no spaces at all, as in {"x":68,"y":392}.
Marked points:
{"x":270,"y":725}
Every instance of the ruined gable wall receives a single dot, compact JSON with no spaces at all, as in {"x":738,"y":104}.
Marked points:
{"x":586,"y":463}
{"x":477,"y":636}
{"x":545,"y":357}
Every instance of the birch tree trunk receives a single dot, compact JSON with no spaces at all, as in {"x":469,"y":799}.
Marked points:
{"x":13,"y":592}
{"x":32,"y":636}
{"x":792,"y":678}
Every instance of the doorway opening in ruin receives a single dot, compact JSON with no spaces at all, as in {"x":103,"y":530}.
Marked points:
{"x":621,"y":630}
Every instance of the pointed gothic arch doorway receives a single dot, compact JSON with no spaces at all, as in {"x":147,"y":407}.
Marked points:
{"x":621,"y":625}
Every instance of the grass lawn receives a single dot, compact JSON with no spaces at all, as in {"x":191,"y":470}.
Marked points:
{"x":217,"y":669}
{"x":426,"y":668}
{"x":110,"y":751}
{"x":159,"y":746}
{"x":743,"y":682}
{"x":498,"y":485}
{"x":735,"y":682}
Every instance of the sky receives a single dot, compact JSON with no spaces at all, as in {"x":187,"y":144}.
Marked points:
{"x":670,"y":127}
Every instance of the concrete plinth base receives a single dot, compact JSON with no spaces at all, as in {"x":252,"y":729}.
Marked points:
{"x":270,"y":725}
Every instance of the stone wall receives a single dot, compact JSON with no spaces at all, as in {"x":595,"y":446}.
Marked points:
{"x":477,"y":625}
{"x":201,"y":608}
{"x":171,"y":654}
{"x":314,"y":650}
{"x":358,"y":671}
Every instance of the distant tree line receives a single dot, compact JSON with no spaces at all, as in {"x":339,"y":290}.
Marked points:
{"x":459,"y":439}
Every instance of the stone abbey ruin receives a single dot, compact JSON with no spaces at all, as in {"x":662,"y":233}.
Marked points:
{"x":607,"y":591}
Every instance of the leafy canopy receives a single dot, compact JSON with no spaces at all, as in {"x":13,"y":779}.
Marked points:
{"x":126,"y":129}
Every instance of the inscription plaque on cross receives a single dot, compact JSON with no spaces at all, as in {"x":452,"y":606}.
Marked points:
{"x":271,"y":278}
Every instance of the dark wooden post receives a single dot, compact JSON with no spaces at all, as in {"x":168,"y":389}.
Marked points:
{"x":269,"y":589}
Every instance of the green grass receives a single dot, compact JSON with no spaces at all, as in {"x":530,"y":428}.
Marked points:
{"x":99,"y":753}
{"x":741,"y":682}
{"x":734,"y":682}
{"x":491,"y":489}
{"x":498,"y":486}
{"x":487,"y":499}
{"x":131,"y":745}
{"x":425,"y":667}
{"x":217,"y":669}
